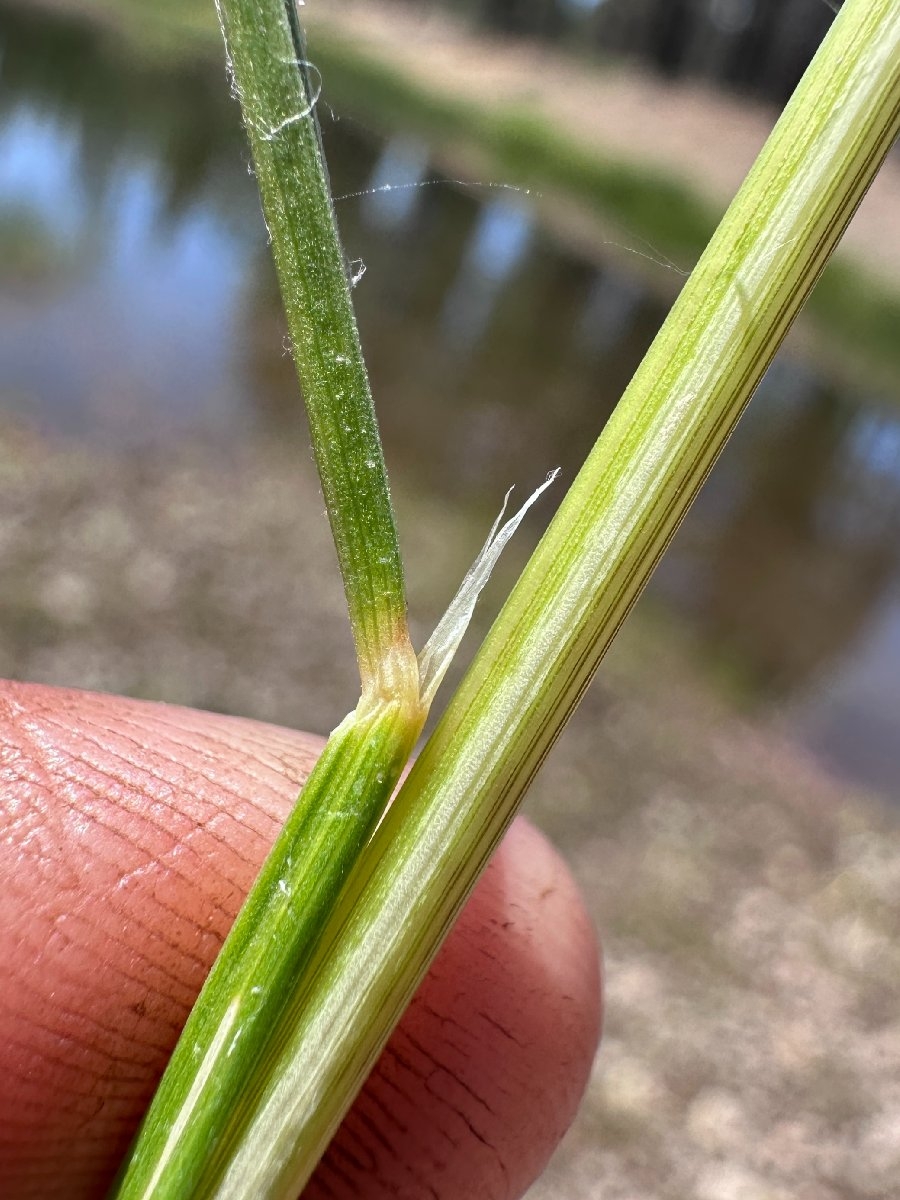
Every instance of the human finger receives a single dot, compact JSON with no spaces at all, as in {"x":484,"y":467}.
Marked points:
{"x":133,"y":832}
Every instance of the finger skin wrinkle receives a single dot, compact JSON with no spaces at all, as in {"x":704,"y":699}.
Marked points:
{"x":267,"y":769}
{"x":440,"y":1082}
{"x":152,"y":782}
{"x":440,"y":1070}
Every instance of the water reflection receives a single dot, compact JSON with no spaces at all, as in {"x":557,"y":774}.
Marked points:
{"x":118,"y":309}
{"x":611,"y":305}
{"x":794,"y":570}
{"x":120,"y":325}
{"x":498,"y":243}
{"x":137,"y":298}
{"x":114,"y":109}
{"x":393,"y":191}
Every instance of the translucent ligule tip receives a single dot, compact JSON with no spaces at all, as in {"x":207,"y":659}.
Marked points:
{"x":442,"y":645}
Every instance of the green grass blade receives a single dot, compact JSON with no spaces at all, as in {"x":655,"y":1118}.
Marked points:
{"x":587,"y":572}
{"x":278,"y":92}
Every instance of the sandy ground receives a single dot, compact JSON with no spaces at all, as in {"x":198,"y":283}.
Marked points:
{"x":699,"y":136}
{"x":750,"y":907}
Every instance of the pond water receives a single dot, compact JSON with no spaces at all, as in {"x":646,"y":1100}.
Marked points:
{"x":137,"y":306}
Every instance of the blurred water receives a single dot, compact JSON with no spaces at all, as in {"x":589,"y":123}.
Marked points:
{"x":128,"y":333}
{"x":137,"y":304}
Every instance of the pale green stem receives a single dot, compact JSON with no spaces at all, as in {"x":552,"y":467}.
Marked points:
{"x":595,"y":558}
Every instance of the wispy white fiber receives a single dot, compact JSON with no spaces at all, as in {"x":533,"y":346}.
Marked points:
{"x":268,"y":134}
{"x":443,"y":643}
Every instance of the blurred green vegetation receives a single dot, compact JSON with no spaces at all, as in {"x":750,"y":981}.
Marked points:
{"x":30,"y":249}
{"x":853,"y":318}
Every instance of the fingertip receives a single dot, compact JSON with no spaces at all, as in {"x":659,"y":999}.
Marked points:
{"x":485,"y":1072}
{"x":136,"y":830}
